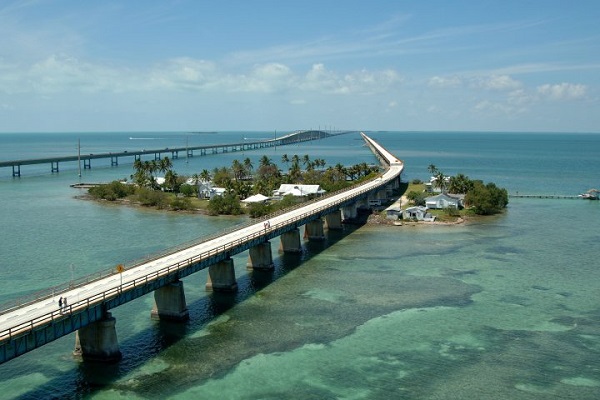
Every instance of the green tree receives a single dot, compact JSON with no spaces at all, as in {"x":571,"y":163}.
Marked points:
{"x":205,"y":176}
{"x":238,"y":170}
{"x":248,"y":166}
{"x":228,"y":204}
{"x":416,"y":198}
{"x":459,"y":183}
{"x":171,"y":181}
{"x":486,"y":199}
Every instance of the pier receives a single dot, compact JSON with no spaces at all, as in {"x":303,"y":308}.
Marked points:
{"x":173,"y":153}
{"x":544,"y":196}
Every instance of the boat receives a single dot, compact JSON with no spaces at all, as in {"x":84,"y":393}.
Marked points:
{"x":592,"y":194}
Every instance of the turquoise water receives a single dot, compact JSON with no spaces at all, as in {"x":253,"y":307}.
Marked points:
{"x":506,"y":307}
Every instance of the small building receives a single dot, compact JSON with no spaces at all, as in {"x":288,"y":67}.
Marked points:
{"x":418,"y":213}
{"x":393,"y":212}
{"x":257,"y":198}
{"x":444,"y":200}
{"x":206,"y":190}
{"x":298,"y":190}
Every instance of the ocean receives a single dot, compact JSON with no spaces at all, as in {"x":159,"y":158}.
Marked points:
{"x":502,"y":307}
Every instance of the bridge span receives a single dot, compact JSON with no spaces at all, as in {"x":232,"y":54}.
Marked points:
{"x":86,"y":308}
{"x":291,"y":138}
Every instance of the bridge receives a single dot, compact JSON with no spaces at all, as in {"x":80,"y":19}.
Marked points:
{"x":291,"y":138}
{"x":86,"y":306}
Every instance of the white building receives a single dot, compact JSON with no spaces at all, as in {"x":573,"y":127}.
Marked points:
{"x":298,"y":190}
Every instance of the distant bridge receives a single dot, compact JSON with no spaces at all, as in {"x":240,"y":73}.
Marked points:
{"x":292,"y":138}
{"x":85,"y":310}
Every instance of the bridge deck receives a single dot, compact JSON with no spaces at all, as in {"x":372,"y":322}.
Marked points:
{"x":23,"y":320}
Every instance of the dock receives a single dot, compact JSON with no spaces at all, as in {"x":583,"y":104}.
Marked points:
{"x":544,"y":196}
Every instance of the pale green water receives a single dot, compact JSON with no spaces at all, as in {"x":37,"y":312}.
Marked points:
{"x":503,"y":308}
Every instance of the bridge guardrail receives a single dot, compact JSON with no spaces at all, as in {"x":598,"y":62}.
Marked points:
{"x":21,"y":301}
{"x":30,"y":325}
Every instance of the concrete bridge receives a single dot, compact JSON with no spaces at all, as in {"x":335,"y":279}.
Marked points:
{"x":86,"y":307}
{"x":291,"y":138}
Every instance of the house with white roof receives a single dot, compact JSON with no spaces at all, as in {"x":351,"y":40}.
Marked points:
{"x":206,"y":190}
{"x":298,"y":190}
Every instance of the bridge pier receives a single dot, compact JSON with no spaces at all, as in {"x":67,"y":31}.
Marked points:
{"x":290,"y":242}
{"x":98,"y":341}
{"x":221,"y":277}
{"x":169,"y":303}
{"x":260,"y":257}
{"x":349,"y":212}
{"x":334,"y":220}
{"x":313,"y":230}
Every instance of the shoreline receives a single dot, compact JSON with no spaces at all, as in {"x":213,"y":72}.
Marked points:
{"x":375,"y":218}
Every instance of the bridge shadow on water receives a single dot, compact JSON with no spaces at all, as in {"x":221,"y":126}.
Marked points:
{"x":89,"y":377}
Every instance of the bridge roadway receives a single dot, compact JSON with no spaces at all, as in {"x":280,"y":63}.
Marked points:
{"x":291,"y":138}
{"x":25,"y":328}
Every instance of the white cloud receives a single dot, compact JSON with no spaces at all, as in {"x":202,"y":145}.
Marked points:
{"x":65,"y":74}
{"x":359,"y":82}
{"x":496,"y":82}
{"x":445,"y":82}
{"x":562,"y":91}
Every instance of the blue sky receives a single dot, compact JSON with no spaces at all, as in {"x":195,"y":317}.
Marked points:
{"x":282,"y":65}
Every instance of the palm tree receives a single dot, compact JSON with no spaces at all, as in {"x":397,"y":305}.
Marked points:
{"x":248,"y":166}
{"x":238,"y":170}
{"x":306,"y":161}
{"x":432,"y":169}
{"x":170,"y":180}
{"x":285,"y":159}
{"x":460,"y":184}
{"x":295,"y":173}
{"x":264,"y":161}
{"x":165,"y":165}
{"x":440,"y":181}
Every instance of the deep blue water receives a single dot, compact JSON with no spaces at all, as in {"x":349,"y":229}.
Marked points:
{"x":504,"y":307}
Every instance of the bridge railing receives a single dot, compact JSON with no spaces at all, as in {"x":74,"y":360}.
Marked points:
{"x":43,"y":294}
{"x":108,"y":294}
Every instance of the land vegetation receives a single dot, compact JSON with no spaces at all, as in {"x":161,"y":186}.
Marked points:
{"x":479,"y":198}
{"x":240,"y":180}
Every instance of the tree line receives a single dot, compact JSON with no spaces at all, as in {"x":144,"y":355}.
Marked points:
{"x":240,"y":180}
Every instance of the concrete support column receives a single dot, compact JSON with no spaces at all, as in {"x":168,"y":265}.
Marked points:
{"x":349,"y":212}
{"x":169,"y":303}
{"x":260,"y":257}
{"x":313,"y":230}
{"x":98,"y":341}
{"x":290,"y":242}
{"x":221,"y":277}
{"x":382,"y":194}
{"x":334,"y":220}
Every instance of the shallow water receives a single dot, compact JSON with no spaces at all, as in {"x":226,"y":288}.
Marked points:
{"x":502,"y":307}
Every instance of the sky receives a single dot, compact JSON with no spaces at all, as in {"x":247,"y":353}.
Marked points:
{"x":265,"y":65}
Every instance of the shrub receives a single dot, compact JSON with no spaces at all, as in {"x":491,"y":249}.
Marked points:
{"x":256,"y":210}
{"x":228,"y":204}
{"x":152,"y":198}
{"x":179,"y":203}
{"x":111,"y":191}
{"x":188,"y":190}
